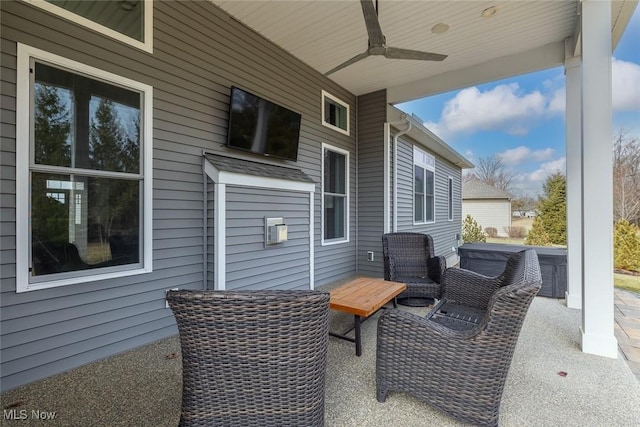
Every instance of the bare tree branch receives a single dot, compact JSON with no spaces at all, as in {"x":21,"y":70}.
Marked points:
{"x":626,"y":177}
{"x":492,"y":171}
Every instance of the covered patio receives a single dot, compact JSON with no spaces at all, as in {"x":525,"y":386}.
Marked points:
{"x":286,"y":50}
{"x":143,"y":387}
{"x":487,"y":42}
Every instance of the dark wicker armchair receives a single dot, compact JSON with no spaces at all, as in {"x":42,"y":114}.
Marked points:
{"x":409,"y":258}
{"x":253,"y":358}
{"x":458,"y":357}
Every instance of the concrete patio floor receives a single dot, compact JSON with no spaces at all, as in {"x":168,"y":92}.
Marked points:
{"x":142,"y":387}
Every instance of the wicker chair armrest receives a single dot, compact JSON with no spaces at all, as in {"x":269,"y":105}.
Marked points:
{"x":396,"y":324}
{"x":468,"y":288}
{"x":436,"y":266}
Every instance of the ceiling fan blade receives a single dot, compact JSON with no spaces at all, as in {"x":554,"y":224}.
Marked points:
{"x":376,"y":38}
{"x":347,"y":63}
{"x":397,"y":53}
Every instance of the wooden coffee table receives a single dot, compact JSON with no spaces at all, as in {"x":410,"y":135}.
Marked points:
{"x":362,"y":297}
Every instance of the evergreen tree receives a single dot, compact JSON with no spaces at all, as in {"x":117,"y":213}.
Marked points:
{"x":626,"y":246}
{"x":52,"y":125}
{"x":538,"y":235}
{"x":552,"y":208}
{"x":106,"y":139}
{"x":472,"y":231}
{"x":114,"y":202}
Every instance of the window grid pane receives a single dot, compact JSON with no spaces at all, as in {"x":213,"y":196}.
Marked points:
{"x":430,"y":196}
{"x":334,"y":195}
{"x":84,"y":123}
{"x":419,"y":194}
{"x":334,"y":217}
{"x":125,"y":17}
{"x":78,"y":221}
{"x":450,"y":206}
{"x":85,"y":227}
{"x":335,"y":113}
{"x":418,"y":203}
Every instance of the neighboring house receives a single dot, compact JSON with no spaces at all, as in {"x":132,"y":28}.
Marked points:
{"x":488,"y":205}
{"x":117,"y":182}
{"x":525,"y":214}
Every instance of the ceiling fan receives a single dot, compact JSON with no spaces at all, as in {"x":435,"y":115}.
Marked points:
{"x":377,"y":42}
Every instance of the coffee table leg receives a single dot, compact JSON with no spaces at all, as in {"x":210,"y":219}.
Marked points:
{"x":356,"y":323}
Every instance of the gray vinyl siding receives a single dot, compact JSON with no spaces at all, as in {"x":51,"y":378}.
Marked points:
{"x":442,"y":230}
{"x":372,"y":110}
{"x":199,"y":52}
{"x":249,"y":264}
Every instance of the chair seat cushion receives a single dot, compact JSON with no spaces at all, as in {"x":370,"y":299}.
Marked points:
{"x":455,"y":316}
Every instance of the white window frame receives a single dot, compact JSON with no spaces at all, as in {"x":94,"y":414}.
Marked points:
{"x":322,"y":193}
{"x":146,"y":45}
{"x":23,"y":168}
{"x":450,"y":197}
{"x":340,"y":102}
{"x":427,"y":162}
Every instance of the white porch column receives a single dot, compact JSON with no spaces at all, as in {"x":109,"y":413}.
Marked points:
{"x":573,"y":136}
{"x":597,"y":180}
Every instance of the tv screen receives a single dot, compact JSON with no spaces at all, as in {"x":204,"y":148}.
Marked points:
{"x":262,"y":127}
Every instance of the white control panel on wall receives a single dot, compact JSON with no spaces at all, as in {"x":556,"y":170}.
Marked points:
{"x":275,"y":231}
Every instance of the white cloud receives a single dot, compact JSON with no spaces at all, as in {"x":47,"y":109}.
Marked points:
{"x":558,"y":101}
{"x":469,"y":154}
{"x":625,"y":79}
{"x":509,"y":109}
{"x":515,"y":156}
{"x":503,"y":107}
{"x":544,"y":154}
{"x":548,"y":168}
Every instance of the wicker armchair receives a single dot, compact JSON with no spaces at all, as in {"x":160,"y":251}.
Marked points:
{"x":455,"y":362}
{"x":409,"y":258}
{"x":252,"y":358}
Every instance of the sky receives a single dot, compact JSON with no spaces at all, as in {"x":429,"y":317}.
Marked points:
{"x":521,"y":119}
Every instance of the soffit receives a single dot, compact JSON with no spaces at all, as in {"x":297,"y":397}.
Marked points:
{"x":324,"y":34}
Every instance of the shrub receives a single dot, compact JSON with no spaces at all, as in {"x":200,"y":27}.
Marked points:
{"x":626,"y":246}
{"x":538,"y":235}
{"x":491,"y":231}
{"x":552,"y":207}
{"x":471,"y":231}
{"x":516,"y":232}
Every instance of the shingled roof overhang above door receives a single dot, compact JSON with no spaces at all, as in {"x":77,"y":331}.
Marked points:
{"x":230,"y":170}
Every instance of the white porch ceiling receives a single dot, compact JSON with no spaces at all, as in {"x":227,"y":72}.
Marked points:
{"x":524,"y":36}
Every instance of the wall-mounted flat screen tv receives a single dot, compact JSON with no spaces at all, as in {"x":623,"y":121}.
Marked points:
{"x":262,"y":127}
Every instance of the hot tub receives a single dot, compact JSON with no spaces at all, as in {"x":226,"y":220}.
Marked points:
{"x":490,"y":259}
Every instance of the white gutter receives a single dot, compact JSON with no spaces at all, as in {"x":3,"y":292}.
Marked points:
{"x":387,"y":187}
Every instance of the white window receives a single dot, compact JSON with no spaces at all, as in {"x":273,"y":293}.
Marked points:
{"x":450,"y":199}
{"x":335,"y":195}
{"x":424,"y":171}
{"x":84,"y":184}
{"x":335,"y":113}
{"x":129,"y":21}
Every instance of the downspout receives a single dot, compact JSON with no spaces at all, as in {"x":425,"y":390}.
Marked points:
{"x":357,"y":193}
{"x":204,"y":223}
{"x":387,"y":189}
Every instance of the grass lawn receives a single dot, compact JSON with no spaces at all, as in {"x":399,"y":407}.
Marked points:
{"x":505,"y":241}
{"x":627,"y":282}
